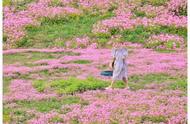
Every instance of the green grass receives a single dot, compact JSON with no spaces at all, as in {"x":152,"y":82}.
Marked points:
{"x":52,"y":72}
{"x":6,"y":83}
{"x":18,"y":4}
{"x":73,"y":85}
{"x":6,"y":115}
{"x":40,"y":85}
{"x":154,"y":119}
{"x":19,"y":116}
{"x":179,"y":84}
{"x":165,"y":51}
{"x":82,"y":61}
{"x":139,"y":13}
{"x":50,"y":104}
{"x":137,"y":82}
{"x":154,"y":2}
{"x":140,"y":34}
{"x":64,"y":28}
{"x":6,"y":2}
{"x":183,"y":11}
{"x":56,"y":119}
{"x":28,"y":58}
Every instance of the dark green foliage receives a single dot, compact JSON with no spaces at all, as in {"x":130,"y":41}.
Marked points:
{"x":82,"y":61}
{"x":72,"y":85}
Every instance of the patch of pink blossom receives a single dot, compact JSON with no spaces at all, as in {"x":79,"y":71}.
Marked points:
{"x":140,"y":61}
{"x":124,"y":106}
{"x":13,"y":24}
{"x":44,"y":118}
{"x":170,"y":20}
{"x":84,"y":41}
{"x":12,"y":69}
{"x":15,"y":21}
{"x":23,"y":90}
{"x":176,"y":4}
{"x":152,"y":10}
{"x":81,"y":42}
{"x":177,"y":41}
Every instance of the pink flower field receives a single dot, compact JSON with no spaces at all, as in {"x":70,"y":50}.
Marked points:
{"x":55,"y":50}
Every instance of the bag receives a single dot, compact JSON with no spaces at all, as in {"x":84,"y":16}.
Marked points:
{"x":113,"y":62}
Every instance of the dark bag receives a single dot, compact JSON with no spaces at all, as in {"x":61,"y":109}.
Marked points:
{"x":113,"y":63}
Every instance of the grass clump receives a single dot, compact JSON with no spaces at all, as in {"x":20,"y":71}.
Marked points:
{"x":73,"y":85}
{"x":6,"y":83}
{"x":155,"y":119}
{"x":56,"y":119}
{"x":82,"y":61}
{"x":64,"y":28}
{"x":28,"y":58}
{"x":40,"y":85}
{"x":6,"y":2}
{"x":137,"y":82}
{"x":180,"y":84}
{"x":140,"y":34}
{"x":139,"y":13}
{"x":19,"y":116}
{"x":154,"y":2}
{"x":52,"y":72}
{"x":50,"y":104}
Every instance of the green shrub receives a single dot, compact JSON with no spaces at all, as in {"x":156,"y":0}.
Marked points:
{"x":72,"y":85}
{"x":40,"y":85}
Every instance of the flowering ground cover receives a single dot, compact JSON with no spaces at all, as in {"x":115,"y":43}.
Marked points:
{"x":54,"y":51}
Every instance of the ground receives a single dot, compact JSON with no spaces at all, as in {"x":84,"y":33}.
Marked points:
{"x":55,"y":50}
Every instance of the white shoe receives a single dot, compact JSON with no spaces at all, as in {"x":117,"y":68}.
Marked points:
{"x":109,"y":87}
{"x":128,"y":88}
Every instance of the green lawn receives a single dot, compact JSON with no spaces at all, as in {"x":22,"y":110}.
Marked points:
{"x":28,"y":58}
{"x":54,"y":32}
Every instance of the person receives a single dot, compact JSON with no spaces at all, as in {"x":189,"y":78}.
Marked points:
{"x":118,"y":64}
